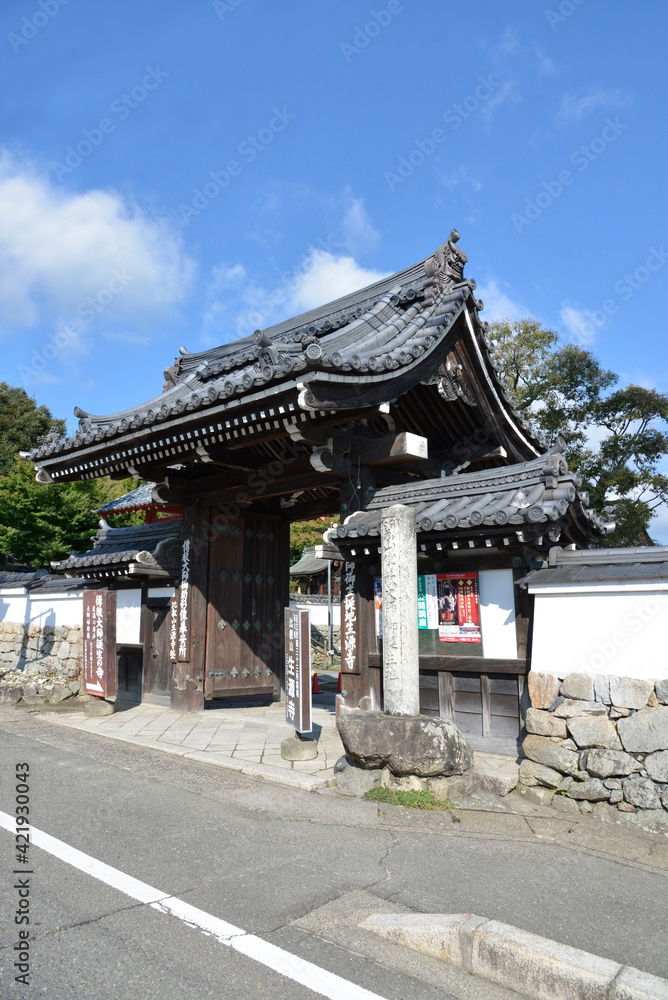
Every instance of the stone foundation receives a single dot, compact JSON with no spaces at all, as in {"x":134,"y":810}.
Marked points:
{"x":39,"y":663}
{"x":596,"y":740}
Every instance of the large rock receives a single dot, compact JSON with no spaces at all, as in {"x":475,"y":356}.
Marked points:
{"x":641,"y":792}
{"x":544,"y":723}
{"x":626,"y":692}
{"x":571,"y":707}
{"x":578,"y":686}
{"x":544,"y":751}
{"x":590,"y":791}
{"x":594,"y":731}
{"x":646,"y":731}
{"x":602,"y":688}
{"x":532,"y":773}
{"x":661,"y":688}
{"x":415,"y":744}
{"x":9,"y":694}
{"x":656,"y":765}
{"x":357,"y":780}
{"x":543,"y":689}
{"x":605,"y":763}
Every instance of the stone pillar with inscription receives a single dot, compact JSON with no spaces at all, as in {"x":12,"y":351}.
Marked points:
{"x":400,"y":619}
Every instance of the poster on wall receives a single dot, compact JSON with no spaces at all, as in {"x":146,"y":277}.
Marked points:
{"x":378,"y":605}
{"x":458,"y":609}
{"x":427,"y":601}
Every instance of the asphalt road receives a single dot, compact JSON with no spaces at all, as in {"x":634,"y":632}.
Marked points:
{"x":289,"y":869}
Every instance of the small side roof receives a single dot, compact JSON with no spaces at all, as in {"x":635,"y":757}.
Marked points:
{"x":641,"y":563}
{"x":309,"y":564}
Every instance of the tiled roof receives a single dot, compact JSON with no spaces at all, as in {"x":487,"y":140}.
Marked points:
{"x":115,"y":548}
{"x":141,"y":496}
{"x":360,"y":350}
{"x":309,"y":564}
{"x":641,"y":564}
{"x":527,"y":495}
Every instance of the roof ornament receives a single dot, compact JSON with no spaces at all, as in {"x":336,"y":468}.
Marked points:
{"x":51,"y":438}
{"x":444,"y":268}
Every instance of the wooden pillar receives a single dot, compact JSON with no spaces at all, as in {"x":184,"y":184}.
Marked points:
{"x":189,"y":667}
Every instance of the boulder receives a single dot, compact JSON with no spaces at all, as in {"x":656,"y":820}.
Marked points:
{"x":591,"y":791}
{"x":538,"y":795}
{"x":578,"y":686}
{"x":532,"y":773}
{"x":602,"y":688}
{"x":98,"y":707}
{"x":63,"y":650}
{"x":457,"y":786}
{"x":626,"y":692}
{"x":571,"y":707}
{"x":605,"y":763}
{"x":594,"y":731}
{"x":10,"y":694}
{"x":544,"y":723}
{"x":664,"y":796}
{"x":646,"y":731}
{"x":419,"y":745}
{"x":357,"y":780}
{"x":562,"y":804}
{"x":60,"y":693}
{"x":544,"y":751}
{"x":543,"y":689}
{"x":641,"y":792}
{"x":661,"y":689}
{"x":656,"y":765}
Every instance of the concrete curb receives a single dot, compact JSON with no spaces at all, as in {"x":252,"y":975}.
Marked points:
{"x":516,"y":959}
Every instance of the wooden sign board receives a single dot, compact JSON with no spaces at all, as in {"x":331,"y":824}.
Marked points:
{"x":298,"y":670}
{"x":100,"y":666}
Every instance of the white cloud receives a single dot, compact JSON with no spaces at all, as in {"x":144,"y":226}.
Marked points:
{"x":69,"y":257}
{"x":498,"y":304}
{"x":580,"y":324}
{"x":574,"y":107}
{"x":359,"y":234}
{"x":458,"y":177}
{"x":237,"y":305}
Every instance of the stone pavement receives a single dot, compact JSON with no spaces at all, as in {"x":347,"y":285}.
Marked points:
{"x":246,"y":739}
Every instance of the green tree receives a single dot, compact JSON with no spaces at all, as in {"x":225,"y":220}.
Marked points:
{"x":40,"y":523}
{"x":22,"y":421}
{"x":616,"y":439}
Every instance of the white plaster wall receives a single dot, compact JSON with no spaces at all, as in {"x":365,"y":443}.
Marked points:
{"x":161,"y":591}
{"x":128,"y":617}
{"x":319,"y":613}
{"x":56,"y":609}
{"x":497,"y":613}
{"x":13,"y":606}
{"x":605,"y":630}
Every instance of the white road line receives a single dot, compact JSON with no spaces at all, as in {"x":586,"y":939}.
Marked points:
{"x":326,"y":984}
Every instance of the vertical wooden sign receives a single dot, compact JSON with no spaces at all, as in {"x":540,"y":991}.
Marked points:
{"x":100,"y":666}
{"x":183,"y":630}
{"x":298,"y":670}
{"x":349,"y":649}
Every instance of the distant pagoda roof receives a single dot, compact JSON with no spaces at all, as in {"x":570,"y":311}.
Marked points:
{"x":413,"y":340}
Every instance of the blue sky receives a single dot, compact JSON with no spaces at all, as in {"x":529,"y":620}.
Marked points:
{"x":181,"y":172}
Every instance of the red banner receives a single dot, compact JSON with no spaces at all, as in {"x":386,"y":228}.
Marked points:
{"x":458,"y":611}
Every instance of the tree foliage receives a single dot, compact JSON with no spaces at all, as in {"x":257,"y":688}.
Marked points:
{"x":616,"y":438}
{"x":22,"y":421}
{"x":306,"y":534}
{"x":40,"y":523}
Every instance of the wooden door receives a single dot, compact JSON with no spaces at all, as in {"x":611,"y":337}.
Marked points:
{"x":157,"y":664}
{"x":244,"y":647}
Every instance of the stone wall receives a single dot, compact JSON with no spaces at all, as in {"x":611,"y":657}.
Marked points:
{"x":39,"y":663}
{"x":596,"y":743}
